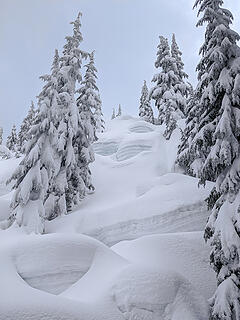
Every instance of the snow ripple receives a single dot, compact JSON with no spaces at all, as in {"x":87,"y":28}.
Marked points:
{"x":105,"y":148}
{"x":132,"y":149}
{"x":141,"y":129}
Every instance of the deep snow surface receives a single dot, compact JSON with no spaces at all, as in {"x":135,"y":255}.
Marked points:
{"x":163,"y":274}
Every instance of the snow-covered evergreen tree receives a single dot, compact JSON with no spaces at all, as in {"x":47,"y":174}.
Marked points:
{"x":25,"y":126}
{"x":181,"y":88}
{"x":74,"y":143}
{"x":12,"y":141}
{"x":1,"y":134}
{"x":119,"y":111}
{"x":89,"y":102}
{"x":113,"y":114}
{"x":166,"y":92}
{"x":217,"y":144}
{"x":54,"y":174}
{"x":98,"y":114}
{"x":33,"y":177}
{"x":145,"y":109}
{"x":5,"y":153}
{"x":186,"y":159}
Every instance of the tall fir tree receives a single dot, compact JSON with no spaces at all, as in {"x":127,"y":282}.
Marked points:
{"x":1,"y":135}
{"x":89,"y":102}
{"x":166,"y":90}
{"x":74,"y":143}
{"x":113,"y":114}
{"x":12,"y":141}
{"x":38,"y":168}
{"x":5,"y":153}
{"x":25,"y":126}
{"x":216,"y":144}
{"x":186,"y":159}
{"x":119,"y":111}
{"x":182,"y":89}
{"x":98,"y":114}
{"x":145,"y":109}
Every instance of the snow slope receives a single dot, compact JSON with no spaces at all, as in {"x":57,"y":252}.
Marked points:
{"x":163,"y":274}
{"x":137,"y":192}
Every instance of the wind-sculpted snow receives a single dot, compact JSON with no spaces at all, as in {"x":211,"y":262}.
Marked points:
{"x":131,"y":149}
{"x":141,"y":128}
{"x":105,"y":148}
{"x":53,"y":264}
{"x":183,"y":219}
{"x":124,"y":148}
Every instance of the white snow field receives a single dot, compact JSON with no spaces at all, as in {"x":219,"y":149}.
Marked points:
{"x":134,"y":250}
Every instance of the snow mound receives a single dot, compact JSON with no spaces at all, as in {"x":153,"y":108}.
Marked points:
{"x":185,"y":253}
{"x":131,"y":149}
{"x":152,"y":295}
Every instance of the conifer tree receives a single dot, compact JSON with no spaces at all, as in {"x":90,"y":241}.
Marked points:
{"x":33,"y":177}
{"x":1,"y":134}
{"x":89,"y":102}
{"x":166,"y":90}
{"x":113,"y":114}
{"x":217,"y":144}
{"x":119,"y":111}
{"x":181,"y":88}
{"x":98,"y":114}
{"x":76,"y":150}
{"x":54,"y":174}
{"x":12,"y":141}
{"x":5,"y":153}
{"x":25,"y":126}
{"x":186,"y":159}
{"x":145,"y":109}
{"x":177,"y":55}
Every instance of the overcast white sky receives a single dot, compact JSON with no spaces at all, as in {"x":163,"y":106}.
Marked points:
{"x":124,"y":34}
